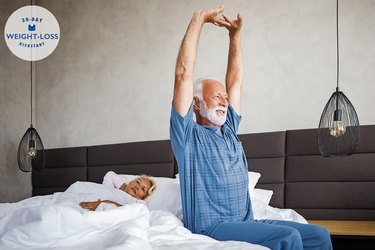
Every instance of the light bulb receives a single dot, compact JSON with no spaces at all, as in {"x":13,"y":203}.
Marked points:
{"x":31,"y":151}
{"x":337,"y":129}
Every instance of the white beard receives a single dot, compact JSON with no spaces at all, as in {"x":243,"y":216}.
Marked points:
{"x":211,"y":115}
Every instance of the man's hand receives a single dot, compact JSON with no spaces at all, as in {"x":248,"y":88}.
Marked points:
{"x":232,"y":25}
{"x":213,"y":16}
{"x":90,"y":205}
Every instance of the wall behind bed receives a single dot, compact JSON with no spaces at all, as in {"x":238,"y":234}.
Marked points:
{"x":110,"y":79}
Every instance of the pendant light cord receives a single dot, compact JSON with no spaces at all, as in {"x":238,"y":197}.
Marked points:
{"x":31,"y":94}
{"x":337,"y":43}
{"x":31,"y":83}
{"x":337,"y":54}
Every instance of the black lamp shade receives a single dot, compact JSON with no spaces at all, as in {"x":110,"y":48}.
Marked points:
{"x":338,"y":110}
{"x":30,"y":149}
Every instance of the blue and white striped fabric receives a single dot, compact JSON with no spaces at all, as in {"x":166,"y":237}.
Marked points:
{"x":213,"y":171}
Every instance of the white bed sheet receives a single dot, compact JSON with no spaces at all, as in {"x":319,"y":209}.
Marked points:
{"x":57,"y":222}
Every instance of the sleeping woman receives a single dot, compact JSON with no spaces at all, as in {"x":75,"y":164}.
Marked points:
{"x":139,"y":188}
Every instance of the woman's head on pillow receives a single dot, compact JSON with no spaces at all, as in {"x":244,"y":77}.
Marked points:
{"x":141,"y":187}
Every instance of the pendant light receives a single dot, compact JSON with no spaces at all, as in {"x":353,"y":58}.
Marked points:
{"x":339,"y":130}
{"x":31,"y":145}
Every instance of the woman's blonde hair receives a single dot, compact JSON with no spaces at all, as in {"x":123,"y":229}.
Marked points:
{"x":153,"y":184}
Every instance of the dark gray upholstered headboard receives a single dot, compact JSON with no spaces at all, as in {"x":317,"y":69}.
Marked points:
{"x":65,"y":166}
{"x":336,"y":188}
{"x":265,"y":154}
{"x":289,"y":161}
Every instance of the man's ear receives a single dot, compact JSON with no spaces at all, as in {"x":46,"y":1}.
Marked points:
{"x":196,"y":103}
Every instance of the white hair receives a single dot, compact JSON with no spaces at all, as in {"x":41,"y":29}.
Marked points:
{"x":198,"y":85}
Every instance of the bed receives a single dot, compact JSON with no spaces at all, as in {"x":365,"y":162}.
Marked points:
{"x":292,"y":175}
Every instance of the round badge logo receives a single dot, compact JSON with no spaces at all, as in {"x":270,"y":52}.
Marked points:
{"x":32,"y":33}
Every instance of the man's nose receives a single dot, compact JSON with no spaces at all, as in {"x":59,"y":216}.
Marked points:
{"x":223,"y":101}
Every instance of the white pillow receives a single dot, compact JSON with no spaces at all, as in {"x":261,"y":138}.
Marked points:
{"x":253,"y":180}
{"x":177,"y":179}
{"x":262,"y":195}
{"x":166,"y":197}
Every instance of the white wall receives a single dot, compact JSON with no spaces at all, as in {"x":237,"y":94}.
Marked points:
{"x":110,"y":79}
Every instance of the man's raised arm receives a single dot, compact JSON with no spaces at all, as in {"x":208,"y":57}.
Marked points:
{"x":234,"y":76}
{"x":183,"y":84}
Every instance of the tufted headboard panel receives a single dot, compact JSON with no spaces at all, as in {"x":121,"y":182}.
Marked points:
{"x":337,"y":187}
{"x":265,"y":154}
{"x":153,"y":158}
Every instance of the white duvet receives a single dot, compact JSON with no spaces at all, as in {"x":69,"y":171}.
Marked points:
{"x":58,"y":222}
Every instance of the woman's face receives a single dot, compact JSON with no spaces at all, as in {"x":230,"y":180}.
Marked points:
{"x":138,"y":188}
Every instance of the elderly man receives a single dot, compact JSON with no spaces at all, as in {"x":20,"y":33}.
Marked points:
{"x":212,"y":164}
